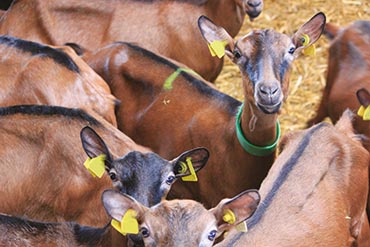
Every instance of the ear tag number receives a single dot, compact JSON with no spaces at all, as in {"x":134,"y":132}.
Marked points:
{"x":189,"y":165}
{"x":364,"y":112}
{"x":217,"y":48}
{"x":310,"y":50}
{"x":96,"y":165}
{"x":128,"y":224}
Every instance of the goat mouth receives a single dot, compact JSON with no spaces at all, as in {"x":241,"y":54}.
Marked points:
{"x":269,"y":109}
{"x":253,"y":14}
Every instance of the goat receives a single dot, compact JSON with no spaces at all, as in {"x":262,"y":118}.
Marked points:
{"x":348,"y":70}
{"x":159,"y":99}
{"x":42,"y":146}
{"x":165,"y":27}
{"x":363,"y":97}
{"x":170,"y":223}
{"x":32,"y":73}
{"x":315,"y":193}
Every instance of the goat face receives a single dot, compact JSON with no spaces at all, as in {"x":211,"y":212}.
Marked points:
{"x":145,"y":176}
{"x":264,"y":58}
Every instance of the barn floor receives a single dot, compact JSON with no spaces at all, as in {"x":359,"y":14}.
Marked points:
{"x":309,"y":72}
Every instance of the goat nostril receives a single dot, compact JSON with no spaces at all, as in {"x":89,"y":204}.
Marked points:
{"x":269,"y":91}
{"x":254,"y":4}
{"x":263,"y":89}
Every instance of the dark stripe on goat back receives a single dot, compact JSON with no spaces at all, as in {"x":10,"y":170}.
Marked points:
{"x":364,"y":26}
{"x":37,"y":49}
{"x":227,"y":101}
{"x":89,"y":236}
{"x":281,"y":178}
{"x":23,"y":224}
{"x":46,"y":110}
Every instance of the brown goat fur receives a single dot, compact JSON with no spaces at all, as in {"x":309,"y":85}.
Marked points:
{"x":165,"y":27}
{"x":42,"y":161}
{"x":315,"y":193}
{"x":188,"y":111}
{"x":32,"y":73}
{"x":170,"y":223}
{"x":348,"y":71}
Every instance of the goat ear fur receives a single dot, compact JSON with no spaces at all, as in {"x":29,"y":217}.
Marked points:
{"x":94,"y":145}
{"x":211,"y":33}
{"x":198,"y":157}
{"x":242,"y":206}
{"x":313,"y":28}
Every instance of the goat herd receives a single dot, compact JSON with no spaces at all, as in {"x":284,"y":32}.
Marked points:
{"x":105,"y":104}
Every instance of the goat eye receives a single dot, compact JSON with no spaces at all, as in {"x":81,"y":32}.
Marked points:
{"x":144,"y":232}
{"x":291,"y":50}
{"x":112,"y":176}
{"x":237,"y":54}
{"x":170,"y":180}
{"x":212,"y":235}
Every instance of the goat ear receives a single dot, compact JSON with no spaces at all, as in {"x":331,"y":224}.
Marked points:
{"x":198,"y":158}
{"x":231,"y":212}
{"x":117,"y":204}
{"x":309,"y":32}
{"x":363,"y":96}
{"x":215,"y":35}
{"x":94,"y":145}
{"x":78,"y":49}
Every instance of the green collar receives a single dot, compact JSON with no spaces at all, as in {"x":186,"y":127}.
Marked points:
{"x":249,"y":147}
{"x":168,"y":82}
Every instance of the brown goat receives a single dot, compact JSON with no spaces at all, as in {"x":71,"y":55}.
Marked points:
{"x":363,"y":97}
{"x":31,"y":73}
{"x":42,"y":146}
{"x":315,"y":193}
{"x":179,"y":223}
{"x":187,"y":111}
{"x":348,"y":71}
{"x":165,"y":27}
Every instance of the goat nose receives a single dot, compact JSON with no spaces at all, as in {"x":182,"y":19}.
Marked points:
{"x":254,"y":4}
{"x":268,"y":90}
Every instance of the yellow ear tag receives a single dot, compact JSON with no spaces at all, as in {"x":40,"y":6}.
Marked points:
{"x":361,"y":111}
{"x":305,"y":39}
{"x":229,"y":217}
{"x":193,"y":176}
{"x":128,"y":224}
{"x":242,"y":227}
{"x":310,"y":50}
{"x":217,"y":48}
{"x":366,"y":115}
{"x":96,"y":165}
{"x":183,"y":169}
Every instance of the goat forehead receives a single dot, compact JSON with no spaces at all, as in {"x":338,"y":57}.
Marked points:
{"x":267,"y":41}
{"x":180,"y":218}
{"x":142,"y":164}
